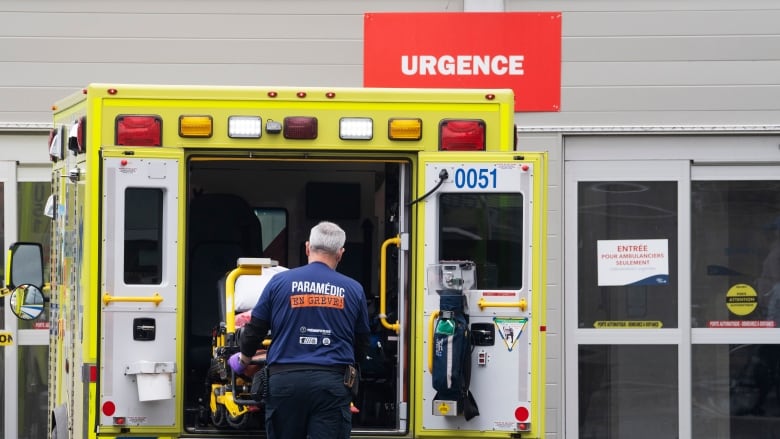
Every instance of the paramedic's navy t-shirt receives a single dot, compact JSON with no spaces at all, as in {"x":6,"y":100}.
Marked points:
{"x":313,"y":312}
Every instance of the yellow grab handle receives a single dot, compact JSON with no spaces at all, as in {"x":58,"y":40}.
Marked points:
{"x":383,"y":284}
{"x":431,"y":321}
{"x":155,"y":298}
{"x":522,"y":304}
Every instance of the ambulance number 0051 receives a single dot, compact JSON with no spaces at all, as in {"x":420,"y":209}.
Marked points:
{"x":472,"y":178}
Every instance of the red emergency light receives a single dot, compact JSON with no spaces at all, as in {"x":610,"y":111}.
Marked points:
{"x":81,"y":134}
{"x":138,"y":130}
{"x":462,"y":135}
{"x":109,"y":408}
{"x":300,"y":127}
{"x":54,"y":154}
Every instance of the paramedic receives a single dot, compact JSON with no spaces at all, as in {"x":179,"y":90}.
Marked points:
{"x":319,"y":322}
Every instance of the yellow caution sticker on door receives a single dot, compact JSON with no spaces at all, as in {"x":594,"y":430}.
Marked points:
{"x":628,"y":324}
{"x":6,"y":338}
{"x":741,"y":299}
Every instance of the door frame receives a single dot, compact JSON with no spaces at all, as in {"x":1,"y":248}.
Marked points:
{"x":8,"y":177}
{"x":634,"y":170}
{"x":11,"y":174}
{"x":746,"y":154}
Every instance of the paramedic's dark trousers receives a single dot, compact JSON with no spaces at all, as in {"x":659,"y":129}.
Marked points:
{"x":313,"y":402}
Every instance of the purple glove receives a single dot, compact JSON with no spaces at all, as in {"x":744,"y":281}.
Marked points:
{"x":235,"y":363}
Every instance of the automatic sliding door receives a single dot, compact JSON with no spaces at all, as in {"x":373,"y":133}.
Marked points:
{"x":735,"y":301}
{"x":624,"y":269}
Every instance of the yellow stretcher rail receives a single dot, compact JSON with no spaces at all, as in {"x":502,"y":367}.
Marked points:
{"x":248,"y":266}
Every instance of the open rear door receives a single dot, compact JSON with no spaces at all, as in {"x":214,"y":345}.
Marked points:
{"x":482,"y":245}
{"x":138,"y":343}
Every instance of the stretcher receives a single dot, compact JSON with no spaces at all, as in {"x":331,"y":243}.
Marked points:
{"x":232,"y":402}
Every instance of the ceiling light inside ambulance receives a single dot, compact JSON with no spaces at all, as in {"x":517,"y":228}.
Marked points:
{"x":300,"y":127}
{"x":245,"y":127}
{"x":138,"y":130}
{"x":404,"y":129}
{"x":462,"y":135}
{"x":356,"y":128}
{"x":195,"y":126}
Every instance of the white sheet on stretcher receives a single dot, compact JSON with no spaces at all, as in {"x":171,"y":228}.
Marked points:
{"x":250,"y":287}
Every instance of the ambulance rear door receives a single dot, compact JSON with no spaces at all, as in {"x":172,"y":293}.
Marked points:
{"x":483,"y":213}
{"x":138,"y":344}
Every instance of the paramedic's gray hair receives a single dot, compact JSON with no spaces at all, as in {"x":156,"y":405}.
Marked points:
{"x":327,"y":237}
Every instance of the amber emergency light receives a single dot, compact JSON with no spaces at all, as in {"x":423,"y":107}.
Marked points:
{"x":195,"y":126}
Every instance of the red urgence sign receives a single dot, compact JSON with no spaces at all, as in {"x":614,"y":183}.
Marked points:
{"x":517,"y":50}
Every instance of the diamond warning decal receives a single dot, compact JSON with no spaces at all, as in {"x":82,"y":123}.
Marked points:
{"x":510,"y":329}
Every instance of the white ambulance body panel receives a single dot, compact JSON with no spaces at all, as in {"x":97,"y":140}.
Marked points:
{"x":138,"y":322}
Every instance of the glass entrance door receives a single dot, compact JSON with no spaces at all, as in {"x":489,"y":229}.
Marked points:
{"x":23,"y":192}
{"x":735,"y":301}
{"x":672,"y":300}
{"x":626,"y":289}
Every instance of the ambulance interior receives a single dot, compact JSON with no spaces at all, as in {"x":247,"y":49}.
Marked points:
{"x":250,"y":207}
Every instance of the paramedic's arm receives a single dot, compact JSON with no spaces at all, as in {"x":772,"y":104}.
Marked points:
{"x":252,"y":338}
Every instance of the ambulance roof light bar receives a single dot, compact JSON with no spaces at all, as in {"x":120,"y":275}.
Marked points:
{"x":462,"y":135}
{"x":138,"y":130}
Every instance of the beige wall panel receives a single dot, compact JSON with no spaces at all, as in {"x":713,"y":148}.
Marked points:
{"x":269,"y":7}
{"x":49,"y":48}
{"x":636,"y":5}
{"x":705,"y":98}
{"x":190,"y":26}
{"x":628,"y":120}
{"x":670,"y":73}
{"x":182,"y":51}
{"x":32,"y":103}
{"x":72,"y":76}
{"x":650,"y":63}
{"x":671,"y":23}
{"x":672,"y":48}
{"x":15,"y":145}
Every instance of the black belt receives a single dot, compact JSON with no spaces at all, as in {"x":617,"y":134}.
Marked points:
{"x":279,"y":368}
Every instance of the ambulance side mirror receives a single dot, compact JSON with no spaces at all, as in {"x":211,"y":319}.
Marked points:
{"x":25,"y":265}
{"x":27,"y":302}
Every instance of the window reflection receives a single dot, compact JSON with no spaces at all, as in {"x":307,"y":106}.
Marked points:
{"x":628,"y":391}
{"x":488,"y":230}
{"x":735,"y":249}
{"x":736,"y":391}
{"x":34,"y":226}
{"x":143,"y":236}
{"x":626,"y":211}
